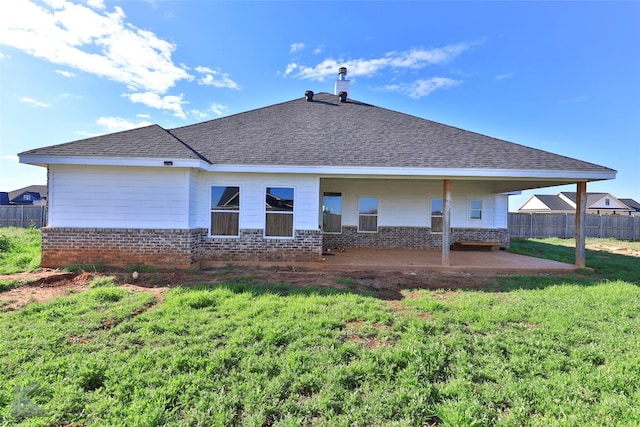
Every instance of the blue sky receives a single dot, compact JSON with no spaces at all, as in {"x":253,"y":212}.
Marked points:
{"x":558,"y":76}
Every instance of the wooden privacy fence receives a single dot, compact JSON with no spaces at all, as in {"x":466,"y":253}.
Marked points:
{"x":23,"y":216}
{"x":564,"y":225}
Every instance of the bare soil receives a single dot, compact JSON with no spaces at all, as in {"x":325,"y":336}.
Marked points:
{"x":45,"y":285}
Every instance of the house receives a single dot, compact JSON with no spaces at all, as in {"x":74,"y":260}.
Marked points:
{"x":31,"y":195}
{"x":635,"y":206}
{"x":565,"y":202}
{"x":281,"y":183}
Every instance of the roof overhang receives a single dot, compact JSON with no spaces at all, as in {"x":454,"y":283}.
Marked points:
{"x":502,"y":180}
{"x":43,"y":160}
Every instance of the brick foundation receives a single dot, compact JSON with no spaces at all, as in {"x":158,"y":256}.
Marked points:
{"x":410,"y":237}
{"x":253,"y":246}
{"x":116,"y":247}
{"x":62,"y":247}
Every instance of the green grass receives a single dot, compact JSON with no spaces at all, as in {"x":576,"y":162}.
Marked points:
{"x":246,"y":355}
{"x":525,"y":351}
{"x":19,"y":249}
{"x":606,"y":265}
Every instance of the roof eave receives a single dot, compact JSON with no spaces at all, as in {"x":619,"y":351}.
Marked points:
{"x":44,"y":160}
{"x":460,"y":173}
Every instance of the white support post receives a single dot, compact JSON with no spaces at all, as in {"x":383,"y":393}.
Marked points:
{"x":446,"y":221}
{"x":581,"y":208}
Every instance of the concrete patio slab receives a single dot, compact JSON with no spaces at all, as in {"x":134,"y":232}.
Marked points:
{"x":385,"y":259}
{"x":421,"y":260}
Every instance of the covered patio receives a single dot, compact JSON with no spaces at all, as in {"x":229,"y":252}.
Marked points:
{"x":430,"y":259}
{"x":408,"y":260}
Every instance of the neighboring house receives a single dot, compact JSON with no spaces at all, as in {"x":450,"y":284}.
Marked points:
{"x":565,"y":202}
{"x":279,"y":183}
{"x":635,"y":206}
{"x":31,"y":195}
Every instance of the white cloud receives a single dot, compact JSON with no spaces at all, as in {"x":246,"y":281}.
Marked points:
{"x":34,"y":102}
{"x":411,"y":59}
{"x":290,"y":68}
{"x":216,"y":78}
{"x":219,"y":109}
{"x":91,"y":38}
{"x":4,"y":56}
{"x":423,"y":87}
{"x":575,"y":100}
{"x":170,"y":102}
{"x":65,"y":73}
{"x":504,"y":76}
{"x":10,"y":157}
{"x":116,"y":124}
{"x":143,"y":116}
{"x":318,"y":50}
{"x":93,"y":41}
{"x":198,"y":114}
{"x":96,"y":4}
{"x":295,"y":47}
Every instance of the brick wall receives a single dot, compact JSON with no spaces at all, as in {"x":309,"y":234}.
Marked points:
{"x":253,"y":246}
{"x":410,"y":237}
{"x":120,"y":247}
{"x":63,"y":247}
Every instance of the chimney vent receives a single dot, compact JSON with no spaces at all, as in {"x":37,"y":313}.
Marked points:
{"x":309,"y":95}
{"x":342,"y":84}
{"x":343,"y":96}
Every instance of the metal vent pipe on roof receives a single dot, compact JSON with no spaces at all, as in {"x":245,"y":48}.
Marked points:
{"x":309,"y":95}
{"x":342,"y":84}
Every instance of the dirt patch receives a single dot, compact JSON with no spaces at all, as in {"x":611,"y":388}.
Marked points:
{"x":614,"y":249}
{"x":45,"y":285}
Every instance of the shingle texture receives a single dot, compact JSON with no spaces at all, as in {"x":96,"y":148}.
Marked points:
{"x":150,"y":141}
{"x":324,"y":132}
{"x":554,"y":202}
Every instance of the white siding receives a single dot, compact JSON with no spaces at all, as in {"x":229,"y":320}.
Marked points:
{"x":252,"y":197}
{"x":407,"y":203}
{"x":118,"y":197}
{"x":195,"y":198}
{"x":534,"y":204}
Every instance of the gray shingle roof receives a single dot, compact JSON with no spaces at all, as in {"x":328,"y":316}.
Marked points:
{"x":554,"y":202}
{"x":631,"y":203}
{"x":591,"y":197}
{"x":324,"y":132}
{"x":150,"y":141}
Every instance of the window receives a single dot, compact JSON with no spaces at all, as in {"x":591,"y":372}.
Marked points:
{"x":332,"y":212}
{"x":607,"y":202}
{"x":436,"y":215}
{"x":368,"y":214}
{"x":475,"y":209}
{"x":225,"y":211}
{"x":279,"y":215}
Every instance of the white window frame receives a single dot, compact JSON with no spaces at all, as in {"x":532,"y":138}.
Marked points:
{"x":376,"y":215}
{"x":333,"y":193}
{"x":431,"y":216}
{"x":211,"y":210}
{"x":292,"y":213}
{"x":472,"y":209}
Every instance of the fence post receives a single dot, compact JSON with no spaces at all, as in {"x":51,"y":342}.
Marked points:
{"x":531,"y":225}
{"x":600,"y":230}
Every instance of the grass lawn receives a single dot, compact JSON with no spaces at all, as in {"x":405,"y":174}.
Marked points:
{"x":532,"y":351}
{"x":19,"y":249}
